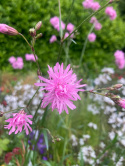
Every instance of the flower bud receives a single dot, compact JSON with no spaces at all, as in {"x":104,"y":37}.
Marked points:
{"x":39,"y":73}
{"x":32,"y":32}
{"x":1,"y":113}
{"x":16,"y":150}
{"x":5,"y":29}
{"x":117,"y":86}
{"x":38,"y":25}
{"x":58,"y":139}
{"x":39,"y":35}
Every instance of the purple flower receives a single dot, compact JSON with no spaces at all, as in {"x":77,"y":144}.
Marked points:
{"x":61,"y":87}
{"x":45,"y":158}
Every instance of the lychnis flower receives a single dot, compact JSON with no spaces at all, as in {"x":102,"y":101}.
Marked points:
{"x":61,"y":87}
{"x":18,"y":121}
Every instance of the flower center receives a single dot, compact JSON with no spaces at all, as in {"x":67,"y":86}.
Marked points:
{"x":61,"y":89}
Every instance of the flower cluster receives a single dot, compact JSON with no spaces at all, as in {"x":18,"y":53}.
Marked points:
{"x":55,"y":23}
{"x":119,"y":59}
{"x":61,"y":87}
{"x":90,"y":4}
{"x":17,"y":63}
{"x":111,"y":12}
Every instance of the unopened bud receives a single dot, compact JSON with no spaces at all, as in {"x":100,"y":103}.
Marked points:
{"x":1,"y":113}
{"x":58,"y":139}
{"x":32,"y":32}
{"x":111,"y":1}
{"x":8,"y":30}
{"x":39,"y":35}
{"x":117,"y":86}
{"x":39,"y":73}
{"x":38,"y":25}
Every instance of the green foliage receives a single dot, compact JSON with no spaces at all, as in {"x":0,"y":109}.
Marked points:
{"x":23,"y":15}
{"x":3,"y":145}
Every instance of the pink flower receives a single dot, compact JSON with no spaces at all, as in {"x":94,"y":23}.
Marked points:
{"x":119,"y":59}
{"x":70,"y":27}
{"x":52,"y":39}
{"x":92,"y":37}
{"x":98,"y":26}
{"x":16,"y":63}
{"x":19,"y":59}
{"x":8,"y":30}
{"x":66,"y":35}
{"x":111,"y":12}
{"x":121,"y":103}
{"x":87,"y":4}
{"x":95,"y":6}
{"x":18,"y":121}
{"x":30,"y":57}
{"x":12,"y":59}
{"x":93,"y":20}
{"x":55,"y":23}
{"x":61,"y":87}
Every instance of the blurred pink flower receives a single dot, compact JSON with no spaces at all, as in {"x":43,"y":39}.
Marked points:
{"x":18,"y":121}
{"x":52,"y":39}
{"x":92,"y":37}
{"x":17,"y":63}
{"x":8,"y":30}
{"x":66,"y":35}
{"x":111,"y":12}
{"x":70,"y":27}
{"x":98,"y":26}
{"x":55,"y":23}
{"x":12,"y":59}
{"x":95,"y":6}
{"x":61,"y":87}
{"x":119,"y":59}
{"x":30,"y":57}
{"x":121,"y":103}
{"x":93,"y":20}
{"x":87,"y":4}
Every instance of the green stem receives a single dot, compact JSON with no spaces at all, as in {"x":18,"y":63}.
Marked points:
{"x":61,"y":32}
{"x":25,"y":40}
{"x":32,"y":97}
{"x":14,"y":110}
{"x":84,"y":46}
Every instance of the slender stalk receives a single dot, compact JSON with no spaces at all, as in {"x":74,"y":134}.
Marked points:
{"x":14,"y":110}
{"x":68,"y":18}
{"x":33,"y":50}
{"x":61,"y":32}
{"x":32,"y":97}
{"x":61,"y":41}
{"x":84,"y":46}
{"x":25,"y":40}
